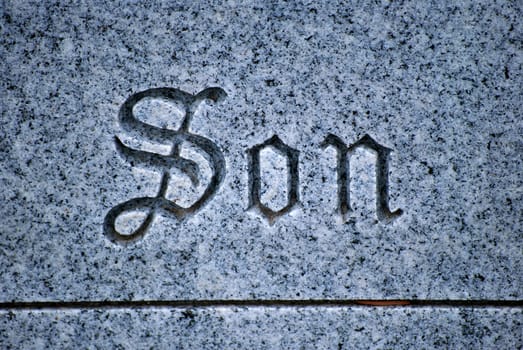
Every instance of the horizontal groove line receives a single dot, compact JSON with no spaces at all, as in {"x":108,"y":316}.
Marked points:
{"x":188,"y":304}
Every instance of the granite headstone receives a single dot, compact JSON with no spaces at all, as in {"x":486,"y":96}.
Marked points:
{"x":245,"y":174}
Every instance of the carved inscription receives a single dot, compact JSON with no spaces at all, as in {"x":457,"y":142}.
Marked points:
{"x":292,"y":156}
{"x":163,"y":163}
{"x":344,"y":154}
{"x":214,"y":157}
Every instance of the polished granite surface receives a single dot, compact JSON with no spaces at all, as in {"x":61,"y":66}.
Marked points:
{"x":275,"y":151}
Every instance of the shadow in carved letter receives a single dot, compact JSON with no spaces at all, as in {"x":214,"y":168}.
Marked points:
{"x":292,"y":156}
{"x":139,"y":129}
{"x":344,"y":154}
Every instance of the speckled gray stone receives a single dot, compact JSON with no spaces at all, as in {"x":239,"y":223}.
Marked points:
{"x":261,"y":328}
{"x":437,"y":85}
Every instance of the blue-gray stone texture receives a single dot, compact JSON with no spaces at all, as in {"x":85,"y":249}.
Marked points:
{"x":438,"y":85}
